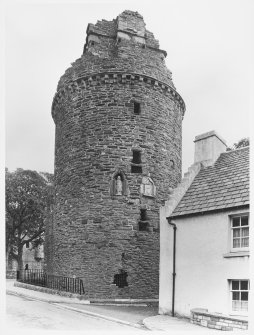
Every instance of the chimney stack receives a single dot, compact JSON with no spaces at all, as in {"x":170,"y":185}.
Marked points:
{"x":208,"y":147}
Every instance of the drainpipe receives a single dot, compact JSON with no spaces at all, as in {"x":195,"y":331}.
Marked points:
{"x":174,"y":264}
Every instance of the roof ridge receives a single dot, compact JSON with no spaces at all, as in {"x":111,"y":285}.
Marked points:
{"x":238,"y":149}
{"x":219,"y":186}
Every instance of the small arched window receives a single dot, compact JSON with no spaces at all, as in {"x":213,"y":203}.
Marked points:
{"x":171,"y":164}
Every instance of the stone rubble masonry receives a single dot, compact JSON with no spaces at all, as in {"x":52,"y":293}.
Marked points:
{"x":217,"y":321}
{"x":94,"y":234}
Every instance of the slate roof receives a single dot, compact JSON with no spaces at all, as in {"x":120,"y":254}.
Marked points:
{"x":222,"y":185}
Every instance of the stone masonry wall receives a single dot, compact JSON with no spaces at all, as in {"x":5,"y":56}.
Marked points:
{"x":95,"y":233}
{"x":217,"y":321}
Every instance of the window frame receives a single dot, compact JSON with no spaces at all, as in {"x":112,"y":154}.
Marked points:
{"x":237,"y":249}
{"x":239,"y":311}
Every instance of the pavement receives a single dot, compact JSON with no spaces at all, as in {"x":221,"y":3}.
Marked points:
{"x":137,"y":316}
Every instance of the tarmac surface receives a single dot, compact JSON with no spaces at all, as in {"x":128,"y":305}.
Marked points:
{"x":136,"y":316}
{"x":24,"y":314}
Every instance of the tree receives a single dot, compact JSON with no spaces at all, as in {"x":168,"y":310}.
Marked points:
{"x":244,"y":142}
{"x":29,"y":196}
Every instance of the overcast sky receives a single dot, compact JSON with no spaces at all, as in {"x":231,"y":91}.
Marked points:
{"x":208,"y":51}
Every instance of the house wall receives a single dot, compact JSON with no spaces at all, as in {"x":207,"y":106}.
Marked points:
{"x":202,"y":270}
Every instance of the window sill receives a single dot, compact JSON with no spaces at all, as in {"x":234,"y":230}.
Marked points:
{"x":237,"y":254}
{"x":137,"y":164}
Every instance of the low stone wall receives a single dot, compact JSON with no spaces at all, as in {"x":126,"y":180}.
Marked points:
{"x":11,"y":274}
{"x":217,"y":321}
{"x":49,"y":290}
{"x":145,"y":302}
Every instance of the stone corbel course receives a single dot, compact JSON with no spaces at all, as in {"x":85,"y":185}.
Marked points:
{"x":102,"y":78}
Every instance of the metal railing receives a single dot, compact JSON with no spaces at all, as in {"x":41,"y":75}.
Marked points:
{"x":41,"y":278}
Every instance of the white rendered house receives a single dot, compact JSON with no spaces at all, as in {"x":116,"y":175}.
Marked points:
{"x":210,"y":212}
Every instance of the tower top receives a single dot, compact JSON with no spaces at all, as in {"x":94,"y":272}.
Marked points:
{"x":128,"y":26}
{"x":119,"y":49}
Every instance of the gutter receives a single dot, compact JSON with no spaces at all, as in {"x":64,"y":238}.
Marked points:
{"x":211,"y":211}
{"x":172,"y":223}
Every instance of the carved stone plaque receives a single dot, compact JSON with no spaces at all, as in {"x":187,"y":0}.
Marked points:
{"x":147,"y":188}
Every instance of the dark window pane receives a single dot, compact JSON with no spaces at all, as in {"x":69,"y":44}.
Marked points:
{"x":143,"y":215}
{"x":121,"y":279}
{"x":236,"y":295}
{"x":235,"y":284}
{"x":244,"y":285}
{"x":236,"y":243}
{"x":136,"y":169}
{"x":245,"y":232}
{"x":244,"y":221}
{"x":245,"y":242}
{"x":137,"y":108}
{"x":244,"y":296}
{"x":236,"y":232}
{"x":136,"y":157}
{"x":236,"y":222}
{"x":143,"y":226}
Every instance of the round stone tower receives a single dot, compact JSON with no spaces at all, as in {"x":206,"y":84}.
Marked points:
{"x":118,"y":144}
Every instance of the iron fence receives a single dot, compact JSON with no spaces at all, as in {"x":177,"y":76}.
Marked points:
{"x":41,"y":278}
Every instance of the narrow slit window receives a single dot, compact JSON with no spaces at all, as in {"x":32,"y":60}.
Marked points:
{"x":136,"y":165}
{"x":143,"y":224}
{"x":143,"y":215}
{"x":137,"y":108}
{"x":136,"y":157}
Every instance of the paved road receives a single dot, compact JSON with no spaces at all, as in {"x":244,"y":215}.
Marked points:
{"x":26,"y":313}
